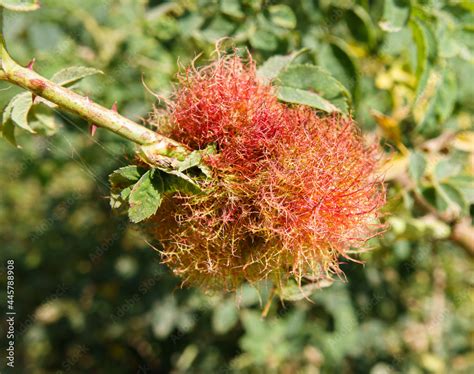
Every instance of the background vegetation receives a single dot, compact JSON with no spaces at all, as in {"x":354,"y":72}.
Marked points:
{"x":91,"y":295}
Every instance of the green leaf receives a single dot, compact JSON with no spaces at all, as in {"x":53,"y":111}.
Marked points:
{"x":8,"y":132}
{"x":20,"y":5}
{"x":146,"y":196}
{"x":425,"y":51}
{"x":69,"y":76}
{"x":449,"y":196}
{"x":121,"y":182}
{"x":178,"y":183}
{"x":303,"y":97}
{"x":361,"y":25}
{"x":395,"y":15}
{"x":126,"y":176}
{"x":282,"y":15}
{"x":436,"y":103}
{"x":42,"y":120}
{"x":450,"y":166}
{"x":465,"y":185}
{"x":337,"y":60}
{"x":264,"y":40}
{"x":313,"y":86}
{"x":270,"y":69}
{"x":225,"y":316}
{"x":19,"y":108}
{"x":194,"y":159}
{"x":218,"y":28}
{"x":416,"y":166}
{"x":232,"y":8}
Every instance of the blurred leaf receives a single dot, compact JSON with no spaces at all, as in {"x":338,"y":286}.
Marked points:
{"x":361,"y":25}
{"x":425,"y":51}
{"x":395,"y":15}
{"x":313,"y":86}
{"x":417,"y":166}
{"x":20,"y":5}
{"x":433,"y":108}
{"x":336,"y":59}
{"x":8,"y":132}
{"x":465,"y":185}
{"x":282,"y":15}
{"x":218,"y":28}
{"x":43,"y":120}
{"x":448,"y":197}
{"x":164,"y":317}
{"x":232,"y":8}
{"x":448,"y":167}
{"x":225,"y":316}
{"x":68,"y":76}
{"x":264,"y":40}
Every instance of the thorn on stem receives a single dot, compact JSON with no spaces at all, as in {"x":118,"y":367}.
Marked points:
{"x":92,"y":129}
{"x":31,"y":63}
{"x":92,"y":126}
{"x":114,"y":107}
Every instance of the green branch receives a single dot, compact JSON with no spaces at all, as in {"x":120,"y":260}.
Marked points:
{"x":72,"y":102}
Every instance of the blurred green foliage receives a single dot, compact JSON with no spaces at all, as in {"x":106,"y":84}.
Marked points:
{"x":90,"y":293}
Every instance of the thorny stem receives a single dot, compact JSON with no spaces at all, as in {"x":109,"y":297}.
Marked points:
{"x":95,"y":114}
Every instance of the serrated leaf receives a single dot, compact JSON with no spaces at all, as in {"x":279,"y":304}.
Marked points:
{"x":395,"y":15}
{"x":20,"y":5}
{"x":126,"y":175}
{"x":282,"y":15}
{"x":416,"y":166}
{"x":20,"y":107}
{"x":146,"y":196}
{"x":313,"y":86}
{"x":270,"y":69}
{"x":69,"y":76}
{"x":194,"y":159}
{"x":303,"y":97}
{"x":122,"y":181}
{"x":178,"y":182}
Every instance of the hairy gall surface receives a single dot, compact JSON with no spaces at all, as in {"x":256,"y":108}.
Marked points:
{"x":294,"y":190}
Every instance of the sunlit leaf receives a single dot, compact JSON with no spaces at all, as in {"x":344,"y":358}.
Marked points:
{"x":313,"y":86}
{"x":395,"y":15}
{"x":20,"y":5}
{"x":146,"y":196}
{"x":69,"y":76}
{"x":282,"y":15}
